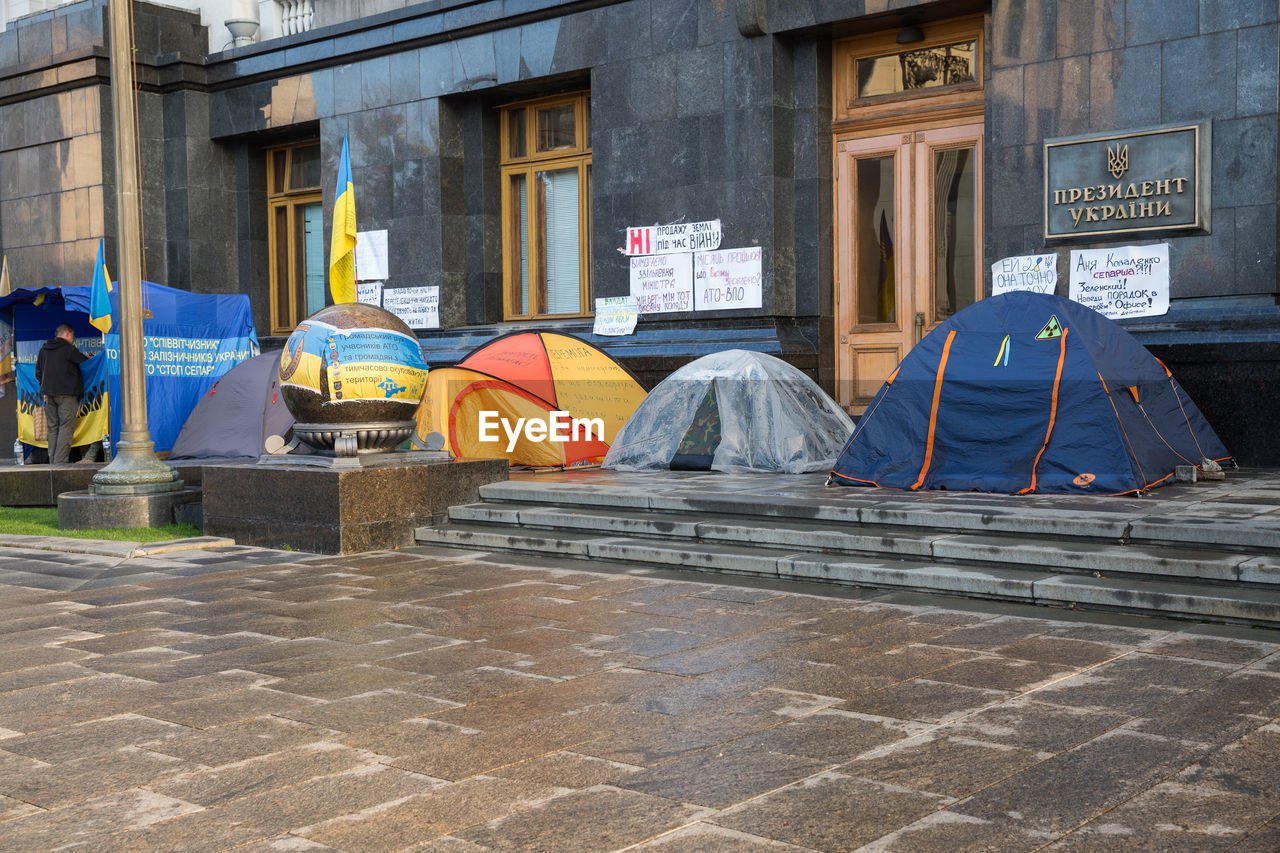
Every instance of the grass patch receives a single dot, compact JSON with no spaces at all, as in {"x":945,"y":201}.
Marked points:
{"x":43,"y":521}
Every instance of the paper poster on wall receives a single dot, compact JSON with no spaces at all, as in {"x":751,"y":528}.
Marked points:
{"x":615,"y":315}
{"x":369,"y":292}
{"x":667,"y":239}
{"x":728,"y":278}
{"x":662,"y":283}
{"x":419,"y":307}
{"x":1036,"y":273}
{"x":1129,"y":281}
{"x":371,"y":255}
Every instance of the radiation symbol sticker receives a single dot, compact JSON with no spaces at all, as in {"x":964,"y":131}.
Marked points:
{"x":1052,"y":329}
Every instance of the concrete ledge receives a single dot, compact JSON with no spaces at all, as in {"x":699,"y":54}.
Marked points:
{"x":813,"y":537}
{"x":604,"y":521}
{"x":761,"y":505}
{"x":977,"y":519}
{"x":561,"y":543}
{"x":1092,"y":556}
{"x":1252,"y":533}
{"x":1255,"y":606}
{"x":486,"y":513}
{"x":82,"y":511}
{"x":929,"y":577}
{"x":40,"y":485}
{"x":724,"y":558}
{"x":563,"y":495}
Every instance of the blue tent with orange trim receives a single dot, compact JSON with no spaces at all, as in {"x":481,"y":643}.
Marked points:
{"x":1028,"y":393}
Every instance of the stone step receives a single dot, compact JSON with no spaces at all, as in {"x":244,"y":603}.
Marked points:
{"x":954,"y":514}
{"x":1184,"y":599}
{"x":1037,"y":554}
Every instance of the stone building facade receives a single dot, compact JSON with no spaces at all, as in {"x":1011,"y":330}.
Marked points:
{"x":861,"y":145}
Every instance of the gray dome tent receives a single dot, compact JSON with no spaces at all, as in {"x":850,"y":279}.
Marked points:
{"x":733,"y":411}
{"x":236,"y":415}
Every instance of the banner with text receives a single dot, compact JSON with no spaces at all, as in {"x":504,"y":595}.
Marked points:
{"x":189,"y":340}
{"x":1131,"y":281}
{"x":668,"y":239}
{"x":419,"y":307}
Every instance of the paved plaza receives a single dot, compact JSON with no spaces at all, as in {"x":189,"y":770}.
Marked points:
{"x":220,"y":697}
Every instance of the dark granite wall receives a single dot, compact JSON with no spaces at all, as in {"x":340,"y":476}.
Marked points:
{"x":689,"y":120}
{"x":1079,"y":66}
{"x":51,"y":187}
{"x":57,"y":169}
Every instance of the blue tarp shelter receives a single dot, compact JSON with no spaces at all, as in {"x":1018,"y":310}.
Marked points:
{"x":190,"y":340}
{"x":1022,"y":393}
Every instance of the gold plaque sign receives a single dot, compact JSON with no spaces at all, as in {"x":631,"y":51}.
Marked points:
{"x":1141,"y":181}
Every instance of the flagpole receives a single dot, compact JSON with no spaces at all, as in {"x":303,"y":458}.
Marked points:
{"x":135,"y":470}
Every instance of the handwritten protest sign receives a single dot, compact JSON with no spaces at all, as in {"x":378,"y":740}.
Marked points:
{"x":679,"y":237}
{"x":1130,"y":281}
{"x":662,"y":283}
{"x":728,"y":278}
{"x":1037,"y":273}
{"x":615,"y":315}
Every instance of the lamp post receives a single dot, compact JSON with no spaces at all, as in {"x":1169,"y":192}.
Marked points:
{"x":135,"y":470}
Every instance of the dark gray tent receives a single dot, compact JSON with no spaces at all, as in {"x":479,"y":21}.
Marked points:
{"x":237,"y":414}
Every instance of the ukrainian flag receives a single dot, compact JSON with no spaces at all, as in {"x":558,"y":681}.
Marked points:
{"x":99,"y":296}
{"x":342,"y":246}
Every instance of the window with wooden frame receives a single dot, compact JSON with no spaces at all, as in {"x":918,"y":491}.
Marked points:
{"x":295,"y":234}
{"x":876,"y":76}
{"x":546,"y":207}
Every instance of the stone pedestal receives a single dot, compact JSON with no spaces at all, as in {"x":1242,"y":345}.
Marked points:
{"x":339,"y":508}
{"x":81,"y":510}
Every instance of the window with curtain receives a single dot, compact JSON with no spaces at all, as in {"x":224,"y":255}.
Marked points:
{"x":296,"y":234}
{"x":546,"y":207}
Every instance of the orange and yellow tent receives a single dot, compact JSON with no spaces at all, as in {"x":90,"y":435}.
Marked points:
{"x":542,"y":399}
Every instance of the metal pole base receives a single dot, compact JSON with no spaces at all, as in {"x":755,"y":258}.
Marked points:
{"x":135,"y":471}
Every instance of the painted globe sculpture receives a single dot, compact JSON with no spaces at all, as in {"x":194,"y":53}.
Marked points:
{"x":353,"y":375}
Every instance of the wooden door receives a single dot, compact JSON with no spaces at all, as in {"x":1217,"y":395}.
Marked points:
{"x":909,"y":246}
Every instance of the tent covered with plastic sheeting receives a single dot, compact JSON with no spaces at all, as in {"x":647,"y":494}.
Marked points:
{"x":733,"y":411}
{"x":235,"y":417}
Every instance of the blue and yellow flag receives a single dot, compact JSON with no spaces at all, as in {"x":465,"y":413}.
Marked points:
{"x":342,"y":247}
{"x":99,"y":296}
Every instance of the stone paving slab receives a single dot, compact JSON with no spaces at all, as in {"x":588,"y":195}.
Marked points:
{"x":436,"y":699}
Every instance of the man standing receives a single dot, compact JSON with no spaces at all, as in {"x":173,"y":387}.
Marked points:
{"x":58,"y":372}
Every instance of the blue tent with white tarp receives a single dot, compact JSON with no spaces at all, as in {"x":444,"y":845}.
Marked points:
{"x":1028,"y":393}
{"x":189,"y":340}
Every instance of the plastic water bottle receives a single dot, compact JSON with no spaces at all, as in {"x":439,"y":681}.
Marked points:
{"x":17,"y":453}
{"x":106,"y":447}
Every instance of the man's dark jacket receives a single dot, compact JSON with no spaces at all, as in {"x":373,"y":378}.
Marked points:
{"x":58,"y":368}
